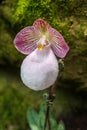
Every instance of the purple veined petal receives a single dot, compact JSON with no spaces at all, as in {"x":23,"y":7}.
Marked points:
{"x":58,"y":44}
{"x":25,"y":41}
{"x":41,"y":25}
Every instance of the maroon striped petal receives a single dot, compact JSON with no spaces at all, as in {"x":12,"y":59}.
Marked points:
{"x":25,"y":41}
{"x":41,"y":25}
{"x":58,"y":43}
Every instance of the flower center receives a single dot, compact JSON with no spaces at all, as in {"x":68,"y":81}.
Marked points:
{"x":40,"y":47}
{"x":42,"y":43}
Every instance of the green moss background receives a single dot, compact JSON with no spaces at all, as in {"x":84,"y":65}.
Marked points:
{"x":69,"y":17}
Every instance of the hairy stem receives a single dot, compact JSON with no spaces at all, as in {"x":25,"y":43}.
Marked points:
{"x":49,"y":102}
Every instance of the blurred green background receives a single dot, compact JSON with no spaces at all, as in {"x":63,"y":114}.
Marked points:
{"x":69,"y":17}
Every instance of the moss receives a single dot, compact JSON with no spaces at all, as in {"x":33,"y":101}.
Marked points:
{"x":8,"y":54}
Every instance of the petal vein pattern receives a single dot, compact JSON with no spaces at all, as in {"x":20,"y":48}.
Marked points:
{"x":58,"y":43}
{"x":26,"y":40}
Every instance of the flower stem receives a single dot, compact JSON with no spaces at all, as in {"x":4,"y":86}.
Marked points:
{"x":47,"y":119}
{"x":49,"y":103}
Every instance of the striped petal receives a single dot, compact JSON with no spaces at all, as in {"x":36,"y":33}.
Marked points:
{"x":41,"y":25}
{"x":58,"y":44}
{"x":25,"y":41}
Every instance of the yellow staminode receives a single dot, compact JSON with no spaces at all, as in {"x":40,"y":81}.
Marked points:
{"x":40,"y":47}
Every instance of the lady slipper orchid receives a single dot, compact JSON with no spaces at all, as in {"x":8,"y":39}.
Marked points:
{"x":40,"y":42}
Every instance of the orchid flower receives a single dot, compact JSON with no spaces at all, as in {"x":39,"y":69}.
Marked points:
{"x":41,"y":43}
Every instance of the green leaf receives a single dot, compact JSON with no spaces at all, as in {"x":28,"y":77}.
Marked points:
{"x":33,"y":119}
{"x":61,"y":126}
{"x":53,"y":122}
{"x":42,"y":116}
